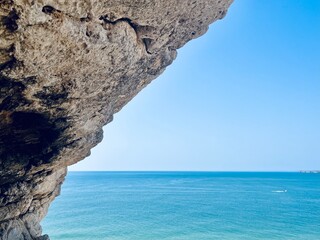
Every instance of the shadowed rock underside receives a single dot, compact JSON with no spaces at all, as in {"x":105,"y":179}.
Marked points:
{"x":66,"y":66}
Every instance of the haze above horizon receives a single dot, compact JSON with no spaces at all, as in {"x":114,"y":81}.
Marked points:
{"x":243,"y":97}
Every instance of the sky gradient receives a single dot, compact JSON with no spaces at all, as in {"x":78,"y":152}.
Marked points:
{"x":243,"y":97}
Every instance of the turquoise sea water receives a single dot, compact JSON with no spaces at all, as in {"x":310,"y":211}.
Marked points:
{"x":185,"y":206}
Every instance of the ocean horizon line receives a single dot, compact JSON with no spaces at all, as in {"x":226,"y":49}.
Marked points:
{"x":195,"y":171}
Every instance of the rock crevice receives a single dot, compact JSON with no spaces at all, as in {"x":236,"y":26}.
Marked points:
{"x":65,"y":68}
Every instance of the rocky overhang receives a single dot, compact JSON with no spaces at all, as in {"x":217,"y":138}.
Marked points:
{"x":66,"y":66}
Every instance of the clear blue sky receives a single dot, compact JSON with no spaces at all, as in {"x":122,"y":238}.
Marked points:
{"x":243,"y":97}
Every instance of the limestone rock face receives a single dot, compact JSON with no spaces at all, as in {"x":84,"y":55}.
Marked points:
{"x":66,"y":66}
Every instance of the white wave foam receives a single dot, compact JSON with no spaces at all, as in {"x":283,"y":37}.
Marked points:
{"x":279,"y":191}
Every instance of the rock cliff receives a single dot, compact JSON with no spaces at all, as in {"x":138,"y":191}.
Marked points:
{"x":66,"y":66}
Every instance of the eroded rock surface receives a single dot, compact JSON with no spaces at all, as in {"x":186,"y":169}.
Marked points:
{"x":66,"y":66}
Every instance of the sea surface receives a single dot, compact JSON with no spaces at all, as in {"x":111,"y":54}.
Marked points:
{"x":185,"y":206}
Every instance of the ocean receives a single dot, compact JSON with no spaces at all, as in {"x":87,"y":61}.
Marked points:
{"x":186,"y":206}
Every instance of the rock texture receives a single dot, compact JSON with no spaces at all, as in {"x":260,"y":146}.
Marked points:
{"x":66,"y":66}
